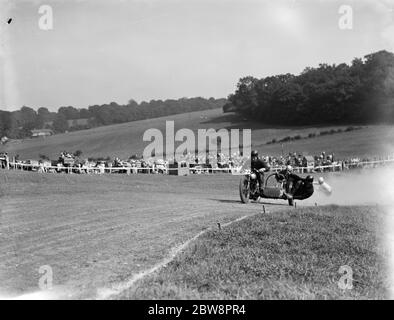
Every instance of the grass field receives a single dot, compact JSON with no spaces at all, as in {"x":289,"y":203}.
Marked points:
{"x":95,"y":231}
{"x":125,"y":139}
{"x":99,"y":231}
{"x":291,"y":254}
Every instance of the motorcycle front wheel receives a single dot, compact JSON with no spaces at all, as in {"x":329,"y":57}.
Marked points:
{"x":244,"y":189}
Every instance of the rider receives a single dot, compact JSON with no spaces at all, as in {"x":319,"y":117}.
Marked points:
{"x":294,"y":183}
{"x":289,"y":177}
{"x":259,"y":166}
{"x":307,"y":188}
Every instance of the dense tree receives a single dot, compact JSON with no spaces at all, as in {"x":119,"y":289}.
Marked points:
{"x":5,"y":123}
{"x":17,"y":124}
{"x":43,"y":115}
{"x":60,"y":123}
{"x":69,"y":112}
{"x":361,"y":92}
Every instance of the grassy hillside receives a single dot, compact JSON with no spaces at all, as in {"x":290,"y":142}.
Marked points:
{"x":292,"y":254}
{"x":125,"y":139}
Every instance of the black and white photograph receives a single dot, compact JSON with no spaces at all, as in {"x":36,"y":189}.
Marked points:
{"x":173,"y":151}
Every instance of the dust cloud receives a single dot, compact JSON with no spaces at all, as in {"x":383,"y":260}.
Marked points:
{"x":356,"y":187}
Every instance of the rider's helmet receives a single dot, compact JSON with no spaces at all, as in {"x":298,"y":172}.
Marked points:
{"x":309,"y":179}
{"x":289,"y":168}
{"x":254,"y":153}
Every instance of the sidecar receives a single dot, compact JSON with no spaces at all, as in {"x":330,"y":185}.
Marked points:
{"x":272,"y":189}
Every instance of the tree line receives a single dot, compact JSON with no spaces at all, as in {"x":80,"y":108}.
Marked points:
{"x":18,"y":124}
{"x":362,"y":92}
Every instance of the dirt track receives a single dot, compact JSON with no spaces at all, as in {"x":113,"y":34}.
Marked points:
{"x":97,"y":231}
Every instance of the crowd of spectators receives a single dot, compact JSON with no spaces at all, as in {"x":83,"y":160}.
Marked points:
{"x":69,"y":163}
{"x":4,"y":160}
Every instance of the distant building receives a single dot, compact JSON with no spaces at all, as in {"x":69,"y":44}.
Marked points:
{"x":308,"y":161}
{"x":41,"y":133}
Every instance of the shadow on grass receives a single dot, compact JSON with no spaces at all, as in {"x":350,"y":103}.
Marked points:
{"x":274,"y":204}
{"x":227,"y":201}
{"x":251,"y":202}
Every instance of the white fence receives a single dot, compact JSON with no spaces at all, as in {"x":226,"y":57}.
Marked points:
{"x":338,"y":166}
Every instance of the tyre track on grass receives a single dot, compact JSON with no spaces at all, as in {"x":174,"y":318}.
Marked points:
{"x":106,"y":293}
{"x":87,"y":225}
{"x":123,"y":239}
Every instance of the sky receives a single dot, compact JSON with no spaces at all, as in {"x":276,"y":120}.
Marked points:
{"x":115,"y":50}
